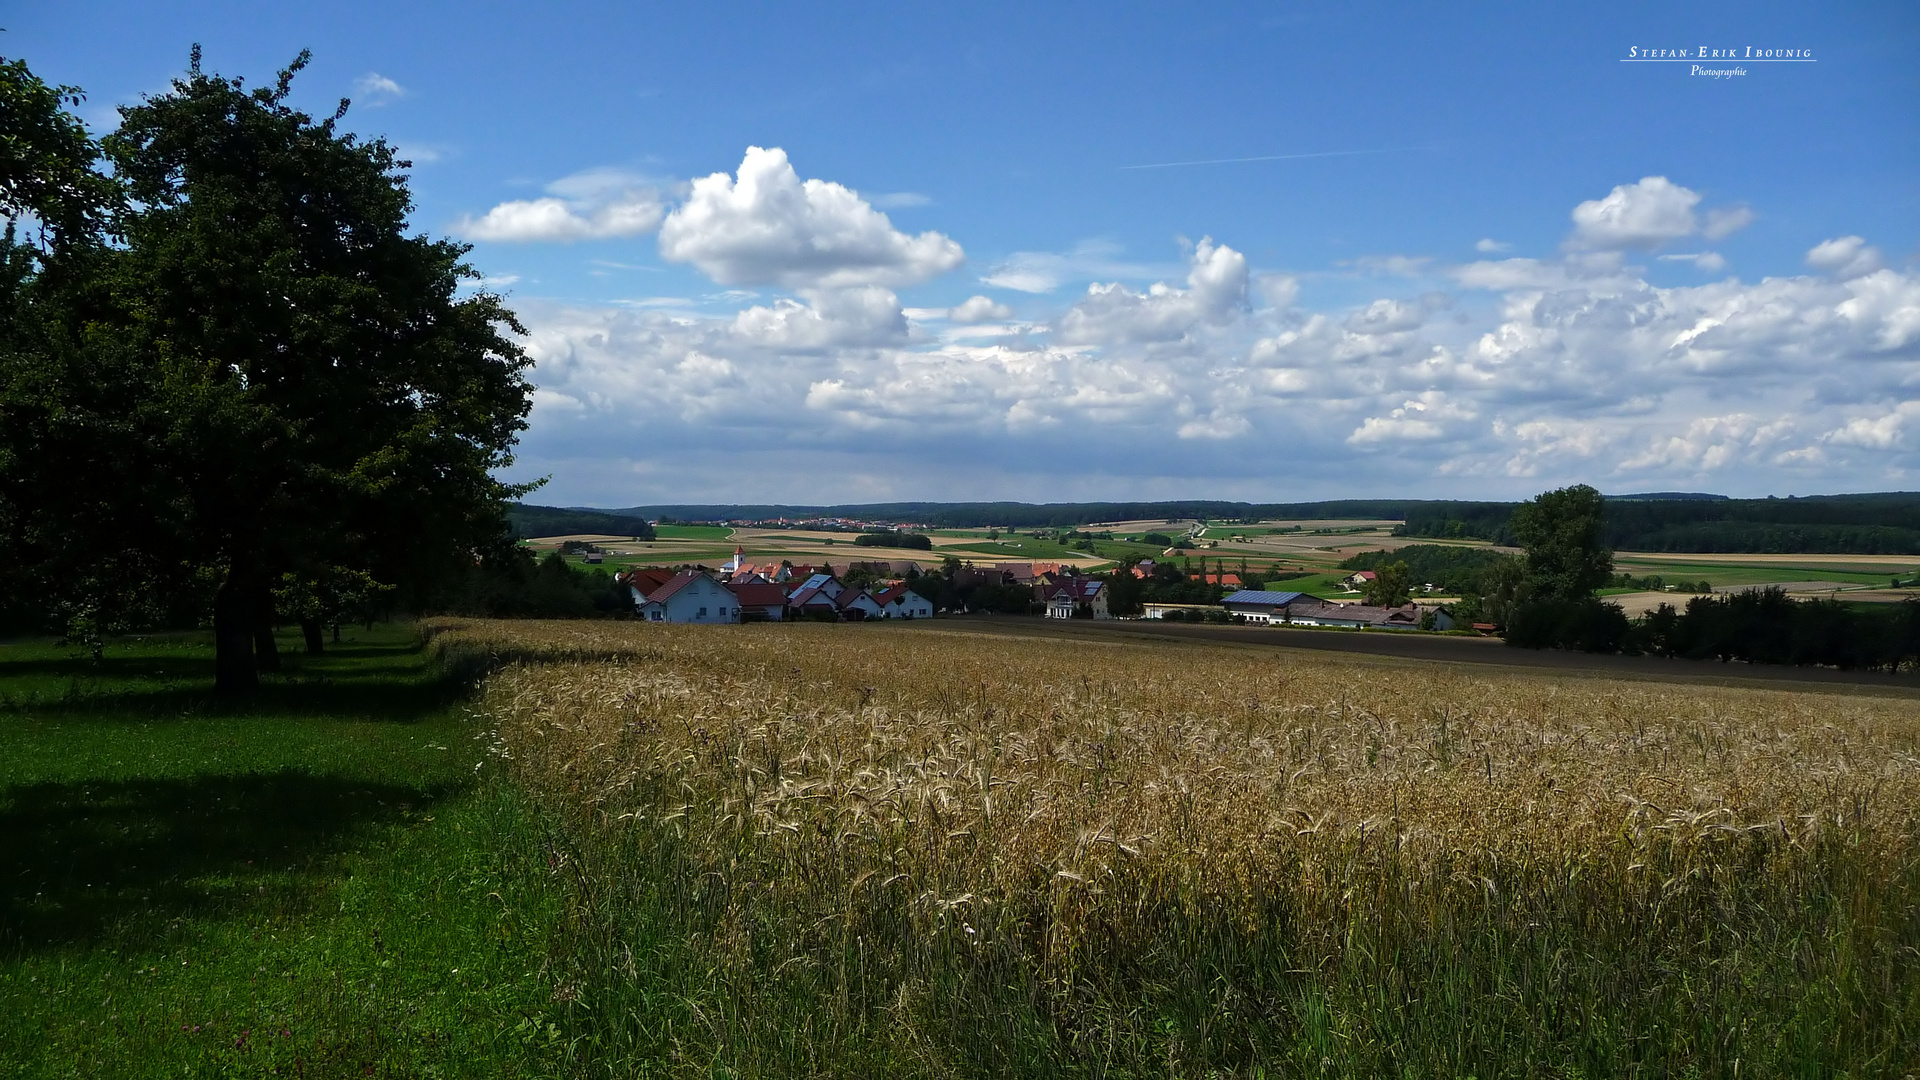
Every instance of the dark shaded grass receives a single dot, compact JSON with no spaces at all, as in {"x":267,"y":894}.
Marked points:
{"x":316,"y":881}
{"x":386,"y":679}
{"x":85,"y":858}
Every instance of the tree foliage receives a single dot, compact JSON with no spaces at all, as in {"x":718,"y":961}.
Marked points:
{"x":47,"y":159}
{"x":1392,"y":585}
{"x":1455,"y":569}
{"x":266,"y":375}
{"x":1563,"y":532}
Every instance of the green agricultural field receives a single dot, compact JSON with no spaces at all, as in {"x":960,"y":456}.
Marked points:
{"x":662,"y":555}
{"x":314,"y":883}
{"x":1323,"y":585}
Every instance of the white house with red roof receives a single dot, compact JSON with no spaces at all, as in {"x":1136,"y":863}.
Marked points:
{"x":900,"y":602}
{"x":1076,"y":594}
{"x":856,"y":604}
{"x":691,"y":596}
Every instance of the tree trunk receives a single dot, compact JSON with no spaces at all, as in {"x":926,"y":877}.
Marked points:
{"x":266,"y":651}
{"x":233,"y":670}
{"x":310,"y":629}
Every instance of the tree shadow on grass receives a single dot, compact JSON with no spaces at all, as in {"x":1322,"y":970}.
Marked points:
{"x":368,"y":682}
{"x":82,"y":861}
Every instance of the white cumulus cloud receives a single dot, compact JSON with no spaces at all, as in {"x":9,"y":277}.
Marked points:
{"x":597,"y":204}
{"x":769,"y":227}
{"x":1216,"y":293}
{"x":979,"y":309}
{"x":1514,"y":375}
{"x":1845,"y":257}
{"x":1641,"y":215}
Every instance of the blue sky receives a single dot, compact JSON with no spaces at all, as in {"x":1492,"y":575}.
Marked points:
{"x":825,"y":254}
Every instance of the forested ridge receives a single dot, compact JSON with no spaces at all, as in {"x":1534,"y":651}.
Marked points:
{"x":528,"y":521}
{"x":1870,"y":524}
{"x":1874,"y":523}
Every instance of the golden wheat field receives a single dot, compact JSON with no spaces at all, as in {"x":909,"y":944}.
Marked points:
{"x":1086,"y":814}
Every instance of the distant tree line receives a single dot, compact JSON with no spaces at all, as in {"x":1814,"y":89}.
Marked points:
{"x":530,"y":521}
{"x":1546,"y":599}
{"x":895,"y":538}
{"x":979,"y":515}
{"x":514,"y":585}
{"x":1756,"y":626}
{"x":1887,"y":523}
{"x":1457,"y":570}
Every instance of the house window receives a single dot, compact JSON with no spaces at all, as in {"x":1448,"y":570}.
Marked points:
{"x":703,"y":613}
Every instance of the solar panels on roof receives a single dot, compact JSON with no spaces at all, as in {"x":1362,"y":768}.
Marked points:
{"x":1255,"y":596}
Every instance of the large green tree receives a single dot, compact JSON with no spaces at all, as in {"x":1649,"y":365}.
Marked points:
{"x":302,"y":384}
{"x":1563,"y":532}
{"x":1392,"y":585}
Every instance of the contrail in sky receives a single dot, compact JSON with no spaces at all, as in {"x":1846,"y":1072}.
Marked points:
{"x":1271,"y":157}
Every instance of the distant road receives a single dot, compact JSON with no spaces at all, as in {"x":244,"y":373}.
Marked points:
{"x":1438,"y":649}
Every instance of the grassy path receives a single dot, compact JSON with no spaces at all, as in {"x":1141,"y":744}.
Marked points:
{"x":320,"y":882}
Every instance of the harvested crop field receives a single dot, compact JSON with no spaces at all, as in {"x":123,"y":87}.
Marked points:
{"x":845,"y":850}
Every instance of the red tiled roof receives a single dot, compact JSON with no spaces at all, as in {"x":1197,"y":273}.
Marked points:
{"x":759,"y":594}
{"x":648,"y":579}
{"x":680,"y":581}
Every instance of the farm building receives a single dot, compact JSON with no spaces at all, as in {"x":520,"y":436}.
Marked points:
{"x":1356,"y":616}
{"x":1254,"y":605}
{"x":1160,"y":610}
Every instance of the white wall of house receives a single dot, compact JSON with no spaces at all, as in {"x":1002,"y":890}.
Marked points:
{"x":909,"y":605}
{"x":862,"y":602}
{"x":702,"y":600}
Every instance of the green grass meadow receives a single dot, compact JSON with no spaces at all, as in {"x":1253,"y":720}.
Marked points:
{"x":320,"y":882}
